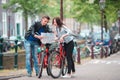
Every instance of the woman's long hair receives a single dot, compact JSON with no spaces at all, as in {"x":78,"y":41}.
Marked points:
{"x":58,"y":21}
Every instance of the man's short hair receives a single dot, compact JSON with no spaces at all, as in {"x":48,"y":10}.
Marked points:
{"x":47,"y":17}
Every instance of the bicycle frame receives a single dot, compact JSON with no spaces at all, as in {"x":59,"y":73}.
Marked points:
{"x":63,"y":57}
{"x":61,"y":52}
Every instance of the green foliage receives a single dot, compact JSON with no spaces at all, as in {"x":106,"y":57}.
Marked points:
{"x":29,"y":7}
{"x":67,"y":4}
{"x":86,"y":12}
{"x":53,"y":8}
{"x":81,"y":10}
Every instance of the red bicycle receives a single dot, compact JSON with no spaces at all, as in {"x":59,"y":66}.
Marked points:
{"x":43,"y":59}
{"x":57,"y":62}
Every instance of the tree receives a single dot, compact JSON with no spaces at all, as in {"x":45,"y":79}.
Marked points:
{"x":86,"y":12}
{"x":53,"y":8}
{"x":90,"y":13}
{"x":28,"y":8}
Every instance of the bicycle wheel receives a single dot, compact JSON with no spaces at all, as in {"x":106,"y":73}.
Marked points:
{"x":55,"y":64}
{"x":48,"y":72}
{"x":41,"y":65}
{"x":65,"y":66}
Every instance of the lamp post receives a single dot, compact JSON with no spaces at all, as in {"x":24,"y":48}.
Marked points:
{"x":61,"y":9}
{"x":102,"y":7}
{"x":119,"y":20}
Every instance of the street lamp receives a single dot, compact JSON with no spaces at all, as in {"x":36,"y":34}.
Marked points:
{"x":102,"y":7}
{"x":102,"y":4}
{"x":61,"y":9}
{"x":119,"y":20}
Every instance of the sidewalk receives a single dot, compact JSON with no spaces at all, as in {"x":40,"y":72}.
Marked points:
{"x":5,"y":74}
{"x":12,"y":72}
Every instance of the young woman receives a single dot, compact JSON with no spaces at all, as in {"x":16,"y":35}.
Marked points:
{"x":64,"y":35}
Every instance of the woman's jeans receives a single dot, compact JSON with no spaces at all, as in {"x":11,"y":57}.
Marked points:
{"x":31,"y":48}
{"x":69,"y":51}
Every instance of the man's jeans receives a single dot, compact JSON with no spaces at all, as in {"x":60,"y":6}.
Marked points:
{"x":31,"y":48}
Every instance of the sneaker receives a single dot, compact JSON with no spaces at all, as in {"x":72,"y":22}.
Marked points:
{"x":29,"y":75}
{"x":67,"y":76}
{"x":73,"y":74}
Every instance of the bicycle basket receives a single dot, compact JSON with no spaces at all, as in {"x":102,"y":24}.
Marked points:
{"x":53,"y":46}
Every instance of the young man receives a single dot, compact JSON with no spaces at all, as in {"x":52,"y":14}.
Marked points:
{"x":33,"y":41}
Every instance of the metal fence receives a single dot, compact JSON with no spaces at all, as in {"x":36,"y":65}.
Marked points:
{"x":6,"y":45}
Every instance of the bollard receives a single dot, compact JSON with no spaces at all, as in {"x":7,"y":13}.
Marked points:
{"x":106,"y":48}
{"x":1,"y":55}
{"x":78,"y":58}
{"x":101,"y":53}
{"x":92,"y":53}
{"x":16,"y":54}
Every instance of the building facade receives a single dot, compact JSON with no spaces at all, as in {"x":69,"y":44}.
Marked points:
{"x":11,"y":24}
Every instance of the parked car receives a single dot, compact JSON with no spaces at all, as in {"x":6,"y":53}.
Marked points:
{"x":117,"y":41}
{"x":85,"y":33}
{"x":8,"y":44}
{"x":20,"y":41}
{"x":5,"y":44}
{"x":106,"y":40}
{"x":113,"y":32}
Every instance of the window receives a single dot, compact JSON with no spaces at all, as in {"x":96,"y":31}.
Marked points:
{"x":4,"y":22}
{"x":18,"y":29}
{"x":3,"y":1}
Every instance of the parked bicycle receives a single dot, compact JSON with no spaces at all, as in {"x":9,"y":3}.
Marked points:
{"x":85,"y":49}
{"x":57,"y":62}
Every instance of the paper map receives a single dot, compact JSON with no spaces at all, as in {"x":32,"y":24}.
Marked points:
{"x":48,"y":38}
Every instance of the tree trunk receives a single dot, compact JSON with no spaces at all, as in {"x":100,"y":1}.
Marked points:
{"x":26,"y":23}
{"x":26,"y":20}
